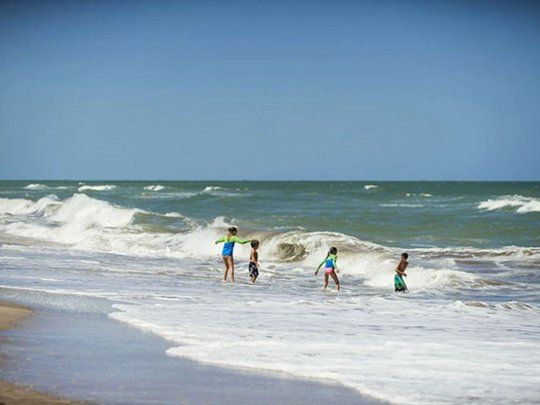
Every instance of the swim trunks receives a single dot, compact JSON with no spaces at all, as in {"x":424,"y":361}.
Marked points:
{"x":253,"y":270}
{"x":328,"y":270}
{"x":399,"y":284}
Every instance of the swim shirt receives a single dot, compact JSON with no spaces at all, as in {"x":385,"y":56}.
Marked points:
{"x":228,"y":245}
{"x":329,"y":262}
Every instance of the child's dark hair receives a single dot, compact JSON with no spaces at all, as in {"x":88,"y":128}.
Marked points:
{"x":332,"y":251}
{"x":405,"y":255}
{"x":232,"y":229}
{"x":254,"y":243}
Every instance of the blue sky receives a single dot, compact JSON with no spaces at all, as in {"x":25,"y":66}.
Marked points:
{"x":266,"y":90}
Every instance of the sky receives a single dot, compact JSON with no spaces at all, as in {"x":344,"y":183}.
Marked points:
{"x":270,"y":90}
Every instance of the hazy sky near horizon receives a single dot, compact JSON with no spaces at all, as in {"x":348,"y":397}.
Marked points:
{"x":265,"y":90}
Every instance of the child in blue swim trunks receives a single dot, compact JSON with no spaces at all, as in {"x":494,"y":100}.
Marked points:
{"x":330,"y":268}
{"x":254,"y":261}
{"x":228,"y":246}
{"x":399,"y":283}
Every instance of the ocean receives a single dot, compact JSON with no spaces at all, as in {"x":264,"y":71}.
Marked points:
{"x":467,"y":330}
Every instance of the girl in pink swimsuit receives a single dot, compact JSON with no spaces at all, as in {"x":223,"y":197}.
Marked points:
{"x":330,"y":268}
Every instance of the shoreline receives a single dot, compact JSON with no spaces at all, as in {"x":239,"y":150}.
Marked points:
{"x":142,"y":371}
{"x":11,"y":314}
{"x":10,"y":317}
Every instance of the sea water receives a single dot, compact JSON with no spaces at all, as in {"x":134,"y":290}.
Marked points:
{"x":468,"y":330}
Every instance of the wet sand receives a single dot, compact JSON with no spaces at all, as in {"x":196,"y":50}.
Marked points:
{"x":88,"y":357}
{"x":10,"y":316}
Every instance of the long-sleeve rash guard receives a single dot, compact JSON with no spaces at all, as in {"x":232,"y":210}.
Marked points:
{"x":329,"y":262}
{"x":229,"y":242}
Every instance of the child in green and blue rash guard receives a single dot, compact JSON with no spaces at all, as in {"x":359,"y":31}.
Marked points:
{"x":228,"y":246}
{"x":330,"y":268}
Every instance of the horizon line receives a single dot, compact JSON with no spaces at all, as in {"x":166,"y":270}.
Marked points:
{"x":283,"y":180}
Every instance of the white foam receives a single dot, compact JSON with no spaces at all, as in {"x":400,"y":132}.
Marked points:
{"x":174,"y":215}
{"x":19,"y":206}
{"x":523,"y":204}
{"x":209,"y":189}
{"x":368,"y":344}
{"x":106,"y":187}
{"x":71,"y":221}
{"x":370,"y":186}
{"x":36,"y":187}
{"x":156,"y":187}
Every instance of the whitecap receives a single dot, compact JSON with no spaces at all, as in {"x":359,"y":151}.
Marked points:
{"x":106,"y":187}
{"x":209,"y":189}
{"x":523,"y":204}
{"x":156,"y":187}
{"x":36,"y":186}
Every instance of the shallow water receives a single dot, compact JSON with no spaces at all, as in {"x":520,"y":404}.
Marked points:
{"x":468,"y":330}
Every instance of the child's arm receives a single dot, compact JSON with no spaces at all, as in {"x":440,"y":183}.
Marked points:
{"x":399,"y":271}
{"x":238,"y":240}
{"x":335,"y":265}
{"x":317,"y":271}
{"x":221,"y":240}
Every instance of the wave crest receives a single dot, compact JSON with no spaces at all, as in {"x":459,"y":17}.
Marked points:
{"x":523,"y":204}
{"x":105,"y":187}
{"x":157,"y":187}
{"x":36,"y":186}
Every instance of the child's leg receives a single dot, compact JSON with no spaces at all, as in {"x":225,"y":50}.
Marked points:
{"x":226,"y":262}
{"x":231,"y":267}
{"x":335,"y":278}
{"x":325,"y":281}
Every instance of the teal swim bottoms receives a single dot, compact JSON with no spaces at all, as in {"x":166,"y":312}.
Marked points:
{"x":399,"y":284}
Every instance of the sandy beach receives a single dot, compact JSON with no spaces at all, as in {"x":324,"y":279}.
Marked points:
{"x":10,"y":315}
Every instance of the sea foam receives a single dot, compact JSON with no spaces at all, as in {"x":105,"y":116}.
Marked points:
{"x":106,"y":187}
{"x":36,"y":186}
{"x":523,"y":204}
{"x":156,"y":187}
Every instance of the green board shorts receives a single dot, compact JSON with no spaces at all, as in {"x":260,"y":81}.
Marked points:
{"x":399,"y":284}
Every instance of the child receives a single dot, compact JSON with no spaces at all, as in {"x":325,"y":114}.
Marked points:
{"x":254,"y":261}
{"x":399,"y":284}
{"x":229,"y":240}
{"x":330,"y":267}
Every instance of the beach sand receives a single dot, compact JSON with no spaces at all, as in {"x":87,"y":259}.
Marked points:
{"x":10,"y":315}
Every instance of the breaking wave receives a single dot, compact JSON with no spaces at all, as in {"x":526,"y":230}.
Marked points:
{"x":84,"y":222}
{"x":523,"y":204}
{"x":156,"y":187}
{"x":36,"y":187}
{"x":106,"y":187}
